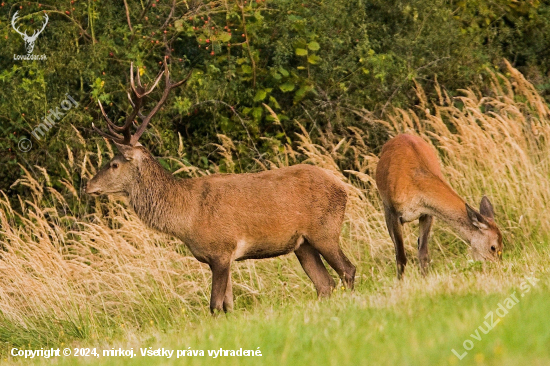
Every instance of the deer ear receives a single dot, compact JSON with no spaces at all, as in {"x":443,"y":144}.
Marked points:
{"x":476,"y":218}
{"x":486,"y":208}
{"x":126,"y":150}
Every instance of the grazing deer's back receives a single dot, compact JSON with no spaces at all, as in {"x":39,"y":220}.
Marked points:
{"x":407,"y":165}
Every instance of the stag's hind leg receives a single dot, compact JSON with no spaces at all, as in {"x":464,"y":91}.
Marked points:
{"x":315,"y":269}
{"x":396,"y":234}
{"x":228,"y":298}
{"x":329,"y":248}
{"x":425,"y":225}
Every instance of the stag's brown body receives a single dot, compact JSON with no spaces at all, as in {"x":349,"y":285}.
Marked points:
{"x":245,"y":216}
{"x":224,"y":218}
{"x":412,"y":187}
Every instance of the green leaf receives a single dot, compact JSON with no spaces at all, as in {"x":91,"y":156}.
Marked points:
{"x":286,"y":87}
{"x":258,"y":16}
{"x":246,"y":69}
{"x":301,"y":52}
{"x":283,"y":72}
{"x":224,"y":37}
{"x":260,"y":95}
{"x":302,"y":92}
{"x":313,"y":59}
{"x":274,"y":102}
{"x":314,"y":46}
{"x":257,"y":112}
{"x":179,"y":25}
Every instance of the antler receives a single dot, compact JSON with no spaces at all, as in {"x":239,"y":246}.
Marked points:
{"x":139,"y":94}
{"x":13,"y":20}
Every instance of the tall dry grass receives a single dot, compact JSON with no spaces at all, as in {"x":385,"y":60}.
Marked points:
{"x":66,"y":275}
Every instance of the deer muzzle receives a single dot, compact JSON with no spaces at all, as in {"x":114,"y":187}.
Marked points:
{"x":92,"y":191}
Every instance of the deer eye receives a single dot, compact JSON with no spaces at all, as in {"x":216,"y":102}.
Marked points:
{"x":114,"y":165}
{"x":493,"y":248}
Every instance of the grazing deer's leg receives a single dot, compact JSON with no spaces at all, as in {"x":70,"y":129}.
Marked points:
{"x":330,"y":250}
{"x":315,"y":269}
{"x":425,"y":222}
{"x":220,"y":278}
{"x":228,"y":299}
{"x":394,"y":228}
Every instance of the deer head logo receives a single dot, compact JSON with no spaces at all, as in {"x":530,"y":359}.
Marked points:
{"x":29,"y":41}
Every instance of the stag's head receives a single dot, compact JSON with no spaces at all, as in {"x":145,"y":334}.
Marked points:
{"x":29,"y":40}
{"x":120,"y":174}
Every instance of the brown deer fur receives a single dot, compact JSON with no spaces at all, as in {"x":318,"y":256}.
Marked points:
{"x":412,"y":187}
{"x":223,"y":218}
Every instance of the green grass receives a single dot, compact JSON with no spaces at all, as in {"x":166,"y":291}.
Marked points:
{"x":414,"y":322}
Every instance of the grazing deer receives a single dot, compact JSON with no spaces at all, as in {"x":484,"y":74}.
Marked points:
{"x":412,"y":187}
{"x":225,"y":218}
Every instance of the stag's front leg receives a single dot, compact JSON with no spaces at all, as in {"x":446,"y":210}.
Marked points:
{"x":220,"y":279}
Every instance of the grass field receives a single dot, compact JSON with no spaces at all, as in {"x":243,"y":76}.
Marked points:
{"x":416,"y":322}
{"x":80,"y":272}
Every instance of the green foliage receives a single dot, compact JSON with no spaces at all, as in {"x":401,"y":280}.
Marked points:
{"x":314,"y":62}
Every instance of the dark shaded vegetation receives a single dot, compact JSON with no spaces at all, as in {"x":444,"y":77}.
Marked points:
{"x":327,"y":65}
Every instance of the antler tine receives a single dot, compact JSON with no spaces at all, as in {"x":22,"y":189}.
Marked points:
{"x":183,"y":81}
{"x":118,"y":140}
{"x":141,"y":95}
{"x":134,"y":106}
{"x":168,"y":86}
{"x":109,"y":122}
{"x":114,"y":129}
{"x":113,"y":132}
{"x":138,"y":77}
{"x":132,"y":83}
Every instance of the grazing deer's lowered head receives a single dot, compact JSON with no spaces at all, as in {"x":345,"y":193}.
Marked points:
{"x":224,"y":218}
{"x":412,"y":187}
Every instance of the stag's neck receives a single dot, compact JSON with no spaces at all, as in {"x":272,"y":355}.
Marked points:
{"x":159,"y":199}
{"x":448,"y":206}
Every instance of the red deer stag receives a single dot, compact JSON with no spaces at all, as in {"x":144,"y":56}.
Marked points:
{"x":412,"y":187}
{"x":225,"y":218}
